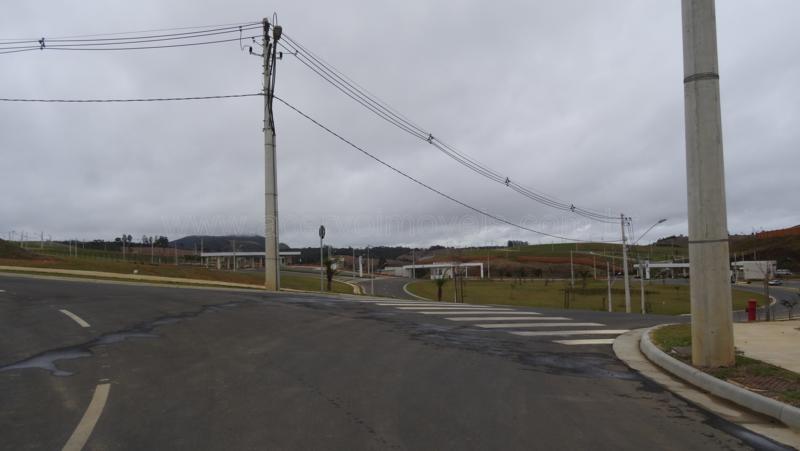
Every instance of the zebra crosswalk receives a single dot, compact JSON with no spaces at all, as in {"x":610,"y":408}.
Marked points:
{"x":509,"y":320}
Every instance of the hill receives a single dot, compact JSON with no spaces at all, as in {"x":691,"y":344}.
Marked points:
{"x":209,"y":243}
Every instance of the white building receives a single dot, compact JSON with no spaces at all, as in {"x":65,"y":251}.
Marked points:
{"x":754,"y":270}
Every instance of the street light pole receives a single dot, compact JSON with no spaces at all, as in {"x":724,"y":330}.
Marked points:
{"x":625,"y":265}
{"x":571,"y":272}
{"x":641,"y":281}
{"x":709,"y":265}
{"x":608,"y":280}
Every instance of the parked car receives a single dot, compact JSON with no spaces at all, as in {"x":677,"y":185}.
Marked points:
{"x":775,"y":282}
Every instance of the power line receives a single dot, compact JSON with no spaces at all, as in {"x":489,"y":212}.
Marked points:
{"x":147,"y":99}
{"x":119,"y":33}
{"x":380,"y":108}
{"x":44,"y":42}
{"x":423,"y":184}
{"x":85,"y":48}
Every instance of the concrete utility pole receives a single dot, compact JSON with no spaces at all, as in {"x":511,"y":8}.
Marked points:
{"x":709,"y":265}
{"x":271,"y":252}
{"x":627,"y":282}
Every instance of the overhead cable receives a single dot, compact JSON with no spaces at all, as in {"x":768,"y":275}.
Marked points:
{"x":425,"y":185}
{"x":380,"y":108}
{"x":146,"y":99}
{"x":199,"y":28}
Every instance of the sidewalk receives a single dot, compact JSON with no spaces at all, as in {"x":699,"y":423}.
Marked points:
{"x":774,"y":342}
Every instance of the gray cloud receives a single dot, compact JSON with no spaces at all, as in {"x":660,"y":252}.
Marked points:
{"x":577,"y":99}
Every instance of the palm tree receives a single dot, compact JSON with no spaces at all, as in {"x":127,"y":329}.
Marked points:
{"x":329,"y":272}
{"x":440,"y":281}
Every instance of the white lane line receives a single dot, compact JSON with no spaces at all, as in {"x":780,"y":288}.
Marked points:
{"x":518,"y":325}
{"x":571,"y":332}
{"x":81,"y":434}
{"x":2,"y":291}
{"x":474,"y":309}
{"x":588,"y":341}
{"x":75,"y":318}
{"x":419,"y":304}
{"x":473,"y":312}
{"x":511,"y":318}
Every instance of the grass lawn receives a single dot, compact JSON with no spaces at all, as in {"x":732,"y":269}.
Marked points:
{"x":661,"y":299}
{"x":766,"y":379}
{"x":563,"y":249}
{"x":293,"y":281}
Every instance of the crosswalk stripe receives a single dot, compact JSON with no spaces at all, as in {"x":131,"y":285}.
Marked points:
{"x":570,"y":332}
{"x":475,"y":309}
{"x":510,"y":318}
{"x":519,"y":325}
{"x":588,"y":341}
{"x":421,"y":304}
{"x":473,"y":312}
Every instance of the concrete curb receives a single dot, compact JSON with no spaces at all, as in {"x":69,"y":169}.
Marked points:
{"x":356,"y":288}
{"x":123,"y":276}
{"x":405,"y":288}
{"x":785,"y":413}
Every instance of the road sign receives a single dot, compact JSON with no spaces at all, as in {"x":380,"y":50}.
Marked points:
{"x":321,"y":232}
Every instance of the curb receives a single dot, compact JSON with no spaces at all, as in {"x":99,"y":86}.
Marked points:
{"x":785,"y":413}
{"x":122,"y":277}
{"x":405,"y":288}
{"x":356,"y":288}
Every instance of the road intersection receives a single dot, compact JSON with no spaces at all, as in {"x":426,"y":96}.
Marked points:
{"x":224,"y":369}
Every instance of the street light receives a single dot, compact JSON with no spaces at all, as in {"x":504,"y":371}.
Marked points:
{"x":641,"y":267}
{"x":660,"y":221}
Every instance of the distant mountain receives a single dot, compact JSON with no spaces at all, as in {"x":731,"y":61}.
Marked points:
{"x":209,"y":243}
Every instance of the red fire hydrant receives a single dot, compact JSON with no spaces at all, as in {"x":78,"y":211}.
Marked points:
{"x":752,"y":305}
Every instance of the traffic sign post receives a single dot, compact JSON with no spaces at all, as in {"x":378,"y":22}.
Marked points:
{"x":321,"y":264}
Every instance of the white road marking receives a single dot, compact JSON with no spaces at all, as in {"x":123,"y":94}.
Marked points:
{"x":511,"y":318}
{"x":2,"y":291}
{"x":419,"y":304}
{"x":474,"y":309}
{"x":518,"y":325}
{"x":571,"y":332}
{"x":588,"y":341}
{"x":75,"y":318}
{"x":473,"y":312}
{"x":81,"y":433}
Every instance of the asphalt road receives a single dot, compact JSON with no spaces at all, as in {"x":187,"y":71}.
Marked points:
{"x":217,"y":369}
{"x":390,"y":287}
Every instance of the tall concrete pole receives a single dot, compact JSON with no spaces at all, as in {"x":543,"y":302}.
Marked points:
{"x":627,"y":282}
{"x":709,"y":266}
{"x":271,"y":262}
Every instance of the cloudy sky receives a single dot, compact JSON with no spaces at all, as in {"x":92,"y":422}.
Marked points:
{"x":581,"y":100}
